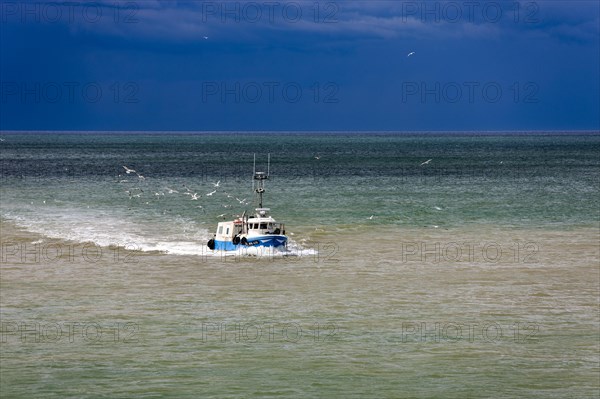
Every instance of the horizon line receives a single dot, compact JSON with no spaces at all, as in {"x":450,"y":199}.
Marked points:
{"x":298,"y":131}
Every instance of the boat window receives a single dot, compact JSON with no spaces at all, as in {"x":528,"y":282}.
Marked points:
{"x":227,"y":231}
{"x":220,"y":229}
{"x":263,"y":225}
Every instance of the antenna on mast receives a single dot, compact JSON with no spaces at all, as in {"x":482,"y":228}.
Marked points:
{"x":260,"y":178}
{"x":253,"y":172}
{"x":268,"y":164}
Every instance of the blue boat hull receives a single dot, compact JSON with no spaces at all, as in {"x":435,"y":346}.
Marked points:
{"x":271,"y":240}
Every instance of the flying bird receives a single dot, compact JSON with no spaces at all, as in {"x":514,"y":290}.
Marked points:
{"x":426,"y":162}
{"x":211,"y":193}
{"x":217,"y":183}
{"x":411,"y":53}
{"x":128,"y":171}
{"x":132,"y":195}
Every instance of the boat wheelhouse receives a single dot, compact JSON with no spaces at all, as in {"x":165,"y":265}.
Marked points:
{"x":258,"y":230}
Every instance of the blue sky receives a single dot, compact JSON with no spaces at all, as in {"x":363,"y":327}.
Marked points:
{"x":293,"y":65}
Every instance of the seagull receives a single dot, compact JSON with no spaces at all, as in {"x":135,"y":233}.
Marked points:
{"x":426,"y":162}
{"x":217,"y":183}
{"x":370,"y":217}
{"x":205,"y":37}
{"x":128,"y":171}
{"x":195,"y":197}
{"x":411,"y":53}
{"x":437,"y":208}
{"x":187,"y":189}
{"x":211,"y":193}
{"x":131,"y":195}
{"x":221,"y":215}
{"x":140,"y":176}
{"x":171,"y":191}
{"x":240,"y":201}
{"x":317,"y":157}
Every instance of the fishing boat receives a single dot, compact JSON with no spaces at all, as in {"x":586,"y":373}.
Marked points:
{"x":257,"y":230}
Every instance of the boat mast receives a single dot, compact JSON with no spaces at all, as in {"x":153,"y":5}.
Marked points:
{"x":260,"y":178}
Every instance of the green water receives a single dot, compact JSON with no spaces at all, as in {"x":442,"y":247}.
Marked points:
{"x":476,"y":276}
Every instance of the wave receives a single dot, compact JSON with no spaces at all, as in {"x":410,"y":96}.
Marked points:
{"x":169,"y":235}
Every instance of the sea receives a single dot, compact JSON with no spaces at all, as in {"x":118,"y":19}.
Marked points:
{"x":419,"y":265}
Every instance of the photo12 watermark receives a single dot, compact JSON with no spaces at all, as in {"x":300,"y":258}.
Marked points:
{"x":19,"y":252}
{"x":266,"y":332}
{"x":69,"y":12}
{"x":71,"y":92}
{"x":436,"y":252}
{"x":269,"y":12}
{"x":269,"y":92}
{"x":469,"y":92}
{"x":483,"y":12}
{"x":51,"y":332}
{"x":488,"y":332}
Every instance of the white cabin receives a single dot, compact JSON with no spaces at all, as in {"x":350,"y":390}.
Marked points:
{"x":258,"y":225}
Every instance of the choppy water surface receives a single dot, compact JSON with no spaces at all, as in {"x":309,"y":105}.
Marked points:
{"x":473,"y":275}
